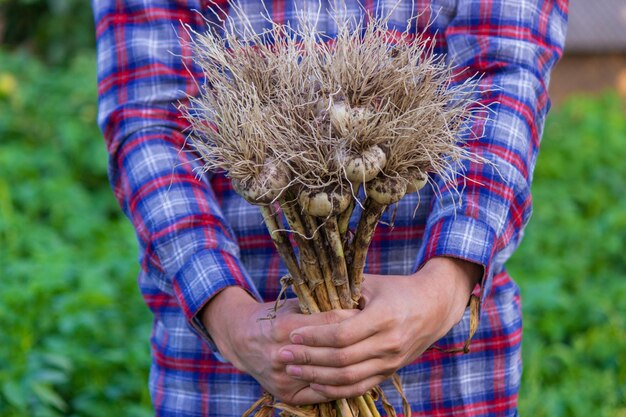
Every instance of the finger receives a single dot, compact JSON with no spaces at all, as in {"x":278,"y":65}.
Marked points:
{"x":291,"y":391}
{"x":319,"y":319}
{"x":286,"y":323}
{"x":325,"y":356}
{"x":387,"y":346}
{"x":348,"y":391}
{"x":349,"y":375}
{"x":340,"y":334}
{"x":307,"y":396}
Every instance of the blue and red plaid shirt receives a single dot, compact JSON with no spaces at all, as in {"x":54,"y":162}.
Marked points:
{"x":196,"y":236}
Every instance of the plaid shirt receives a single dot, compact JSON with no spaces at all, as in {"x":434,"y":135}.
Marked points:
{"x":196,"y":236}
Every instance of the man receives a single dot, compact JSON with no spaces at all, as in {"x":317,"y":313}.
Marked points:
{"x":209,"y":271}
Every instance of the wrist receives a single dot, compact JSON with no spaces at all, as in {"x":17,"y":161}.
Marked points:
{"x":225,"y":315}
{"x":454,"y":280}
{"x":462,"y":274}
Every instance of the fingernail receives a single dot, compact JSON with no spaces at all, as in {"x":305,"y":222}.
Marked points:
{"x":294,"y":371}
{"x":286,"y":356}
{"x":296,"y":339}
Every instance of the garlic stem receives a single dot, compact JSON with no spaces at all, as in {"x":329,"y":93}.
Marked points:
{"x":283,"y":246}
{"x":362,"y":239}
{"x":344,"y":408}
{"x":371,"y":404}
{"x":364,"y":409}
{"x":338,"y":262}
{"x":324,"y":262}
{"x":308,"y":258}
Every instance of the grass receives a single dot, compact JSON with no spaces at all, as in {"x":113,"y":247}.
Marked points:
{"x":74,"y":329}
{"x":571,"y":265}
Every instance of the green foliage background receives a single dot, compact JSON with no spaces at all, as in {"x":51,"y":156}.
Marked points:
{"x":73,"y":329}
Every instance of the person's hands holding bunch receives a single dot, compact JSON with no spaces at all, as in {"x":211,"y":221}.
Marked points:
{"x":251,"y":336}
{"x":401,"y":317}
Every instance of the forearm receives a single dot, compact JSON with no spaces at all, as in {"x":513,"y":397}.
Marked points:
{"x":185,"y":244}
{"x":224,"y":318}
{"x":144,"y":70}
{"x":513,"y":51}
{"x":451,"y":282}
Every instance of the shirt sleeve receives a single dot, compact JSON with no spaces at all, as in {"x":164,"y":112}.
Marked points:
{"x":514,"y":45}
{"x":144,"y":70}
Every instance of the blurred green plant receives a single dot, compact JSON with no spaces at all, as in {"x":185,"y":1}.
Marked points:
{"x":73,"y":328}
{"x":74,"y":331}
{"x":55,"y":30}
{"x":571,"y":266}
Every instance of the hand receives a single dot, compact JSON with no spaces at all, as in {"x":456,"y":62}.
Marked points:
{"x":248,"y":338}
{"x":401,"y":317}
